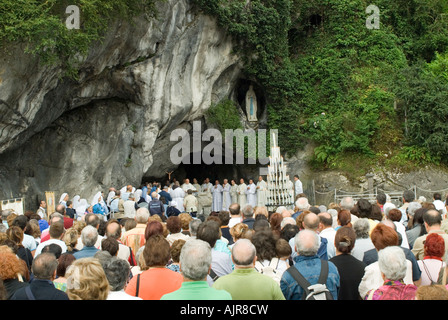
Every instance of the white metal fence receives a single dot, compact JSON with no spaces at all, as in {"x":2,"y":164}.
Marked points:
{"x":336,"y":195}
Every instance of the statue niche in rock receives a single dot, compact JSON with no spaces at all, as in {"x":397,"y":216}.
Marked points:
{"x":251,"y":105}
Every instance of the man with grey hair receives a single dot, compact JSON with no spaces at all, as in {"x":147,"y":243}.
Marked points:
{"x":195,"y":263}
{"x":347,"y":203}
{"x":248,"y":216}
{"x":307,"y":262}
{"x":311,"y":222}
{"x":89,"y":235}
{"x":193,"y":227}
{"x":42,"y":287}
{"x":117,"y":273}
{"x":156,"y":206}
{"x":245,"y":283}
{"x":302,"y":204}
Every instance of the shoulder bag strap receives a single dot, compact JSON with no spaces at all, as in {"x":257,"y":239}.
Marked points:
{"x":300,"y":279}
{"x":444,"y":275}
{"x":131,"y":257}
{"x":29,"y":294}
{"x":138,"y":285}
{"x":213,"y":275}
{"x":427,"y":271}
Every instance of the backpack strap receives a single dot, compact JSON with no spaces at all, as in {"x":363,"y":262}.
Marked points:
{"x":259,"y":266}
{"x":274,"y":263}
{"x":300,"y":279}
{"x":323,"y":272}
{"x":303,"y":282}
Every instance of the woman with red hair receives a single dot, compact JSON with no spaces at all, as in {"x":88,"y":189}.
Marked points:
{"x":344,"y":219}
{"x":434,"y":248}
{"x":12,"y":271}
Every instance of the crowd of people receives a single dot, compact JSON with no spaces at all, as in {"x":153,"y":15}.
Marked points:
{"x":173,"y":197}
{"x":168,"y":243}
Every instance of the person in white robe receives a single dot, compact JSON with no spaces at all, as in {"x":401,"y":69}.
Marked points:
{"x":178,"y":195}
{"x":76,"y":202}
{"x":110,"y":195}
{"x":298,"y":187}
{"x":242,"y":197}
{"x":217,"y":197}
{"x":196,"y":186}
{"x":262,"y":187}
{"x":102,"y":208}
{"x":226,"y":199}
{"x":233,"y":191}
{"x":63,"y":199}
{"x":187,"y":186}
{"x":290,"y":188}
{"x":251,"y":193}
{"x":138,"y":194}
{"x":81,"y":209}
{"x":207,"y":186}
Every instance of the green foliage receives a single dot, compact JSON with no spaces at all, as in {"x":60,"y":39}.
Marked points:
{"x":439,"y":66}
{"x":415,"y":155}
{"x":332,"y":81}
{"x":424,"y":106}
{"x":41,"y":26}
{"x":224,"y":115}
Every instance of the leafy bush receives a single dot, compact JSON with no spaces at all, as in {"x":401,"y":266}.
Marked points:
{"x":41,"y":26}
{"x":224,"y":115}
{"x":424,"y":107}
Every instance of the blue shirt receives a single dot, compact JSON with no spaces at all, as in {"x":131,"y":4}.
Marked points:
{"x":85,"y":252}
{"x":309,"y":267}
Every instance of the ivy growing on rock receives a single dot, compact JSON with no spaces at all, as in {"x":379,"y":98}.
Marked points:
{"x":332,"y":81}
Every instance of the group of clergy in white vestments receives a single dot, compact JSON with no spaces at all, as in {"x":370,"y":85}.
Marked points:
{"x":230,"y":192}
{"x":223,"y":195}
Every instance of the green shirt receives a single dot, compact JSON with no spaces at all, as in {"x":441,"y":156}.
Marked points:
{"x":197,"y":290}
{"x":248,"y":284}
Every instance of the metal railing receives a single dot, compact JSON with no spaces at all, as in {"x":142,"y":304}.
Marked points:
{"x":396,"y":196}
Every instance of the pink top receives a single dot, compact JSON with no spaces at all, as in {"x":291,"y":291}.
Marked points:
{"x":393,"y":290}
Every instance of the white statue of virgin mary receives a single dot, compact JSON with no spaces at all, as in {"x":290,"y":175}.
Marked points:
{"x":251,"y":105}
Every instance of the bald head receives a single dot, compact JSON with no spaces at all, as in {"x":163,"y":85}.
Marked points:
{"x":325,"y":219}
{"x":432,"y":218}
{"x":113,"y":230}
{"x":306,"y":243}
{"x":311,"y":221}
{"x":243,"y":253}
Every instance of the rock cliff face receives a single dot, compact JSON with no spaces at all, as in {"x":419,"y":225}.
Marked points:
{"x":111,"y":127}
